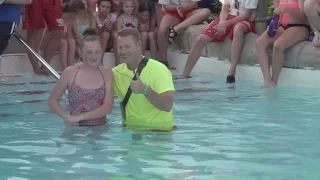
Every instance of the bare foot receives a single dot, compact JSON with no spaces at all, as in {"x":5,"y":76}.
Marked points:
{"x":38,"y":72}
{"x":45,"y":71}
{"x":269,"y":84}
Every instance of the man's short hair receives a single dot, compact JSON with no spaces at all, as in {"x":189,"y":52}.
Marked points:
{"x":130,"y":31}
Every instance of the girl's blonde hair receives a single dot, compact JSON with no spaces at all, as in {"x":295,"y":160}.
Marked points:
{"x":121,"y":5}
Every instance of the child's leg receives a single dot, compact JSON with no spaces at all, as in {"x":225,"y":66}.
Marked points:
{"x":236,"y":46}
{"x":71,"y":51}
{"x":153,"y":44}
{"x":53,"y":17}
{"x":31,"y":40}
{"x":195,"y":53}
{"x":262,"y":43}
{"x":159,"y":13}
{"x":290,"y":37}
{"x":63,"y":52}
{"x":105,"y":36}
{"x":44,"y":41}
{"x":202,"y":40}
{"x":144,"y":38}
{"x":33,"y":22}
{"x":39,"y":40}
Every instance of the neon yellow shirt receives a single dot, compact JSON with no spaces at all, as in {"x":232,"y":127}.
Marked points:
{"x":139,"y":111}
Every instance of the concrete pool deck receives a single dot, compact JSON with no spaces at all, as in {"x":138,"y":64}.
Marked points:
{"x":12,"y":64}
{"x":302,"y":60}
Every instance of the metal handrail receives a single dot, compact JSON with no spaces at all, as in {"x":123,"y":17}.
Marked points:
{"x":19,"y":38}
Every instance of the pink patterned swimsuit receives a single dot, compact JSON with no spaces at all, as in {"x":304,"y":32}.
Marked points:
{"x":82,"y":100}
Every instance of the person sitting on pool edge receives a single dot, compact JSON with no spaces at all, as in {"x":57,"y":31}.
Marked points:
{"x":312,"y":10}
{"x":150,"y":104}
{"x":236,"y":20}
{"x":90,"y":101}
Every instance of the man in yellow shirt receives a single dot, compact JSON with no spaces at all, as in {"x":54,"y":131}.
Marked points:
{"x":150,"y":103}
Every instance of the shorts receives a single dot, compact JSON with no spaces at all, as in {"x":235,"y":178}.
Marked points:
{"x":6,"y":30}
{"x":35,"y":15}
{"x":177,"y":16}
{"x":210,"y":31}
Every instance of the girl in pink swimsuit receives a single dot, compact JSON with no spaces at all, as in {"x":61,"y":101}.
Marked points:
{"x":293,"y":29}
{"x":90,"y":88}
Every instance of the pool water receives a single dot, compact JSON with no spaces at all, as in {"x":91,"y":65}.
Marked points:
{"x":238,"y":132}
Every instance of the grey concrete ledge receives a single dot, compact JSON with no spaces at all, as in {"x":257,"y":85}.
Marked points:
{"x":300,"y":56}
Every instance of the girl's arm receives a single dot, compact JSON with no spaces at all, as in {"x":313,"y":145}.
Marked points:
{"x":136,"y":22}
{"x":106,"y":107}
{"x":152,"y":24}
{"x":118,"y":24}
{"x":57,"y":92}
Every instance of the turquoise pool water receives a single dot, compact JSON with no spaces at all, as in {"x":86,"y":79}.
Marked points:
{"x":238,"y":132}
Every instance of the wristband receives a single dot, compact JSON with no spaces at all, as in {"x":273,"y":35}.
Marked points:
{"x":145,"y":89}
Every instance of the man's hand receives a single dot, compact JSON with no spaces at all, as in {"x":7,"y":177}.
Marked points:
{"x":316,"y":40}
{"x":18,"y":2}
{"x":136,"y":85}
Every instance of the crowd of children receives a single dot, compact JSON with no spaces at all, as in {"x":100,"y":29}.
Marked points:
{"x":66,"y":21}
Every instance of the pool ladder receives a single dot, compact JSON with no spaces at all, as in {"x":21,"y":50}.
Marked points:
{"x":40,"y":59}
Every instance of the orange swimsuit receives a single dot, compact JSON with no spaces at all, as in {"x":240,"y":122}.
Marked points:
{"x":285,"y":18}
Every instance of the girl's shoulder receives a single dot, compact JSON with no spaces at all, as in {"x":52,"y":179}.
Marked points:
{"x":106,"y":72}
{"x":119,"y":17}
{"x":71,"y":70}
{"x":69,"y":73}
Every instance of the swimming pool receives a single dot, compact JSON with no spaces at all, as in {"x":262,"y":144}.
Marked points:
{"x":224,"y":131}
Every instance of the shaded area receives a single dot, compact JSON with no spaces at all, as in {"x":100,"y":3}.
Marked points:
{"x":193,"y":82}
{"x":212,"y":99}
{"x":8,"y":76}
{"x":28,"y":92}
{"x":23,"y":102}
{"x":23,"y":83}
{"x":198,"y":90}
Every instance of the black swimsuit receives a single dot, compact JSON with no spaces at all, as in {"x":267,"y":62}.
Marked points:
{"x":296,"y":25}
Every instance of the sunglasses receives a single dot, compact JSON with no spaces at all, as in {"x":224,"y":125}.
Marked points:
{"x":237,"y":4}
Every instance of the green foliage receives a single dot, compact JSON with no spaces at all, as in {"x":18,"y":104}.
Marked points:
{"x":270,"y":7}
